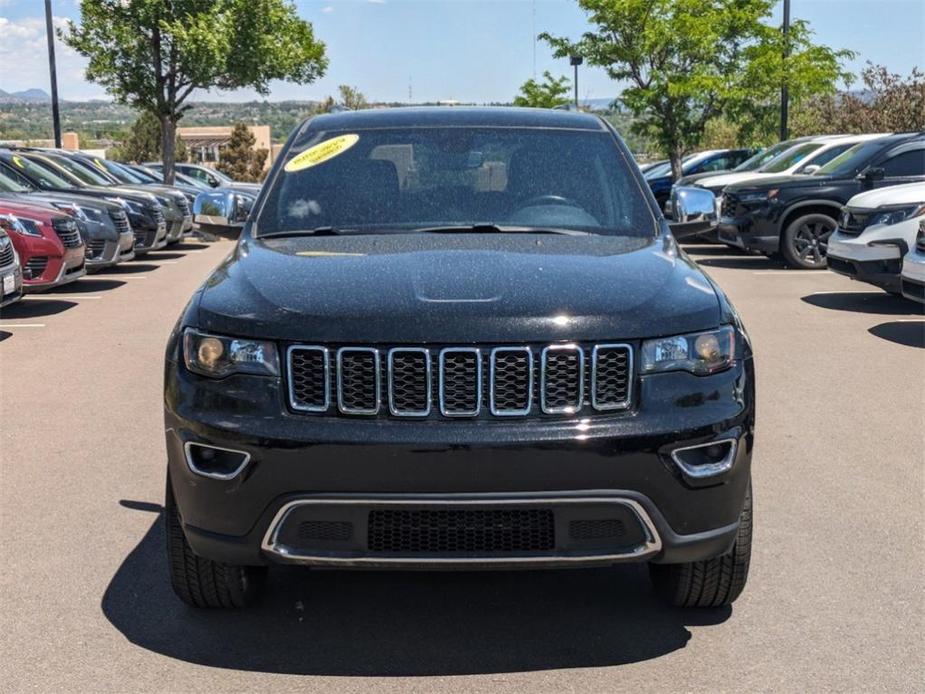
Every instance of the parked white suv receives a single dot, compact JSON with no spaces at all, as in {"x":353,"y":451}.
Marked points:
{"x":876,"y":230}
{"x":913,"y":274}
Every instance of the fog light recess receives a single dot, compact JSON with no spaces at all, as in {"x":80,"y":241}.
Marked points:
{"x":215,"y":462}
{"x":706,"y":459}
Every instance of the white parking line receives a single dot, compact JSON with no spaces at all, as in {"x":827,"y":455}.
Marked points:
{"x":73,"y":297}
{"x":853,"y":291}
{"x":22,"y":325}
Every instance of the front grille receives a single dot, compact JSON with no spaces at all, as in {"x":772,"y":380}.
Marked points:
{"x":839,"y":265}
{"x":183,"y":204}
{"x":67,"y":231}
{"x":597,"y":529}
{"x":35,"y":266}
{"x":499,"y":381}
{"x":145,"y":237}
{"x":120,"y":221}
{"x":475,"y":531}
{"x":6,"y":252}
{"x":728,"y":207}
{"x":157,"y":215}
{"x":95,"y":248}
{"x":853,"y":222}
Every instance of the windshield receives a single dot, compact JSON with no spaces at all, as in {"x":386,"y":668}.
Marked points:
{"x":117,"y":171}
{"x":41,"y":174}
{"x":791,"y":158}
{"x":851,"y":160}
{"x":8,"y":185}
{"x":416,"y":178}
{"x":91,"y":178}
{"x":757,"y":161}
{"x":664,"y":169}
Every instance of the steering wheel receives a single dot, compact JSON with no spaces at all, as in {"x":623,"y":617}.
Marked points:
{"x":549,"y":200}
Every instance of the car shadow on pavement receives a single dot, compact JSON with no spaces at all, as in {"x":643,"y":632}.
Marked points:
{"x":88,"y":285}
{"x":874,"y":302}
{"x":365,"y":623}
{"x":711,"y":249}
{"x":131,"y":268}
{"x":191,"y":246}
{"x":5,"y":335}
{"x":37,"y":306}
{"x":744,"y":262}
{"x":908,"y":333}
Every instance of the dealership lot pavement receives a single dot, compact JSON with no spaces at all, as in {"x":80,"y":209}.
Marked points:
{"x":835,"y":599}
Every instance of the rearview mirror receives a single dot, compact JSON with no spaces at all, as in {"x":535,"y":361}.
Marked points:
{"x":693,"y":211}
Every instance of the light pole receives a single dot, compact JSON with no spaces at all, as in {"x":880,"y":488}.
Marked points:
{"x":784,"y":94}
{"x":55,"y":116}
{"x":575,"y":61}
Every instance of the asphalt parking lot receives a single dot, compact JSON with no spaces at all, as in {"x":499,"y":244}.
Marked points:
{"x":835,"y":599}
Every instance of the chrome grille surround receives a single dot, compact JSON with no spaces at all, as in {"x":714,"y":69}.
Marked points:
{"x":407,"y":381}
{"x":496,"y":402}
{"x":303,"y":404}
{"x":396,"y":398}
{"x":349,"y":391}
{"x":550,"y":378}
{"x":448,"y":381}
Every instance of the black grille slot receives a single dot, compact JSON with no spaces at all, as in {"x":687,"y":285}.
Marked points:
{"x":95,"y":248}
{"x":467,"y":531}
{"x":67,"y":231}
{"x":562,"y":388}
{"x":597,"y":529}
{"x":309,"y":384}
{"x":329,"y":531}
{"x":6,"y":252}
{"x":36,"y":266}
{"x":183,"y":204}
{"x":460,"y":382}
{"x":120,"y":221}
{"x":853,"y":222}
{"x":157,"y":215}
{"x":358,"y":380}
{"x":728,"y":207}
{"x":511,"y":380}
{"x":409,"y":382}
{"x":611,"y":376}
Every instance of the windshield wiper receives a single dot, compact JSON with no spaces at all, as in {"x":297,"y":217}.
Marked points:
{"x":497,"y":229}
{"x":316,"y":231}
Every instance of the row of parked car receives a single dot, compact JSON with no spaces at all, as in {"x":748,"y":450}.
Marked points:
{"x":852,"y":203}
{"x":64,"y":214}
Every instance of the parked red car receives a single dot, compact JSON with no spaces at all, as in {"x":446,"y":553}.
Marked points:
{"x":48,"y":242}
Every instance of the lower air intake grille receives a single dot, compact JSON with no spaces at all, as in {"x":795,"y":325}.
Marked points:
{"x":599,"y":529}
{"x":464,"y":531}
{"x":331,"y":531}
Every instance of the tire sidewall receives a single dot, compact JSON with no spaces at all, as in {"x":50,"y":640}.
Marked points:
{"x":787,"y":249}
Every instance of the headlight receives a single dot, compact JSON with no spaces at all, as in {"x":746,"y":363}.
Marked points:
{"x":699,"y":353}
{"x":896,"y":215}
{"x":20,"y":225}
{"x":217,"y":356}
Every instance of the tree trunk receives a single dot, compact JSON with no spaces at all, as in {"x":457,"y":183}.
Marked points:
{"x":168,"y":147}
{"x":675,"y":157}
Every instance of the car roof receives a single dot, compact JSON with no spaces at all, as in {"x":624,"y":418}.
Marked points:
{"x":458,"y":116}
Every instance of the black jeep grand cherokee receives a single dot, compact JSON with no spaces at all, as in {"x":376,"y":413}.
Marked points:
{"x":458,"y":338}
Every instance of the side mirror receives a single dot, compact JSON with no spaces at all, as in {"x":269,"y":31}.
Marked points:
{"x":873,"y":173}
{"x":693,"y":211}
{"x":810,"y":169}
{"x":221,"y":212}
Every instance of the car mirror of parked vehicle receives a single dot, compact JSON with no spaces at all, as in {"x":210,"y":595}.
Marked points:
{"x":810,"y":169}
{"x":873,"y":173}
{"x":693,"y":211}
{"x":222,"y":212}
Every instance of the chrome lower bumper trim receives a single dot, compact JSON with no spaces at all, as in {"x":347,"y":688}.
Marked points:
{"x":281,"y":553}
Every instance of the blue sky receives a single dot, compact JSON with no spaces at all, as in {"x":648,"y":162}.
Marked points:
{"x":469,"y":50}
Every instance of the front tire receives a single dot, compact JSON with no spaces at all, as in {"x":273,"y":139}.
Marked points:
{"x":805,"y":241}
{"x":202,"y":582}
{"x":712,"y":582}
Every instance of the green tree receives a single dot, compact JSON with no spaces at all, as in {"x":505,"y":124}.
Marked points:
{"x":238,"y":159}
{"x":551,"y":92}
{"x":152,"y":54}
{"x":690,"y":61}
{"x":143,"y":142}
{"x":352,"y":98}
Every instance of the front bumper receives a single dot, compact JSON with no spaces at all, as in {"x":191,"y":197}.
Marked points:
{"x":58,"y":271}
{"x":854,"y":256}
{"x":620,"y":461}
{"x":113,"y":252}
{"x":15,"y":294}
{"x":150,"y":238}
{"x":745,"y":234}
{"x":913,"y":276}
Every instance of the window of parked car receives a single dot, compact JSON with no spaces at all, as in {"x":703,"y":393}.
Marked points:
{"x":791,"y":158}
{"x":905,"y":164}
{"x":852,"y":160}
{"x":11,"y":182}
{"x":755,"y":162}
{"x":407,"y":179}
{"x":45,"y":177}
{"x":84,"y":175}
{"x":825,"y":157}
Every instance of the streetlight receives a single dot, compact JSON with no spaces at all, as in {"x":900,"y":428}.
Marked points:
{"x":575,"y":61}
{"x":55,"y":116}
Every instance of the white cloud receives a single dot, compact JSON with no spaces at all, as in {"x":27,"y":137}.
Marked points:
{"x":376,"y":2}
{"x":24,"y":60}
{"x":327,"y":10}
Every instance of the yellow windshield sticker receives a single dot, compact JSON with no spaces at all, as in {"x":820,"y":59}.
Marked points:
{"x":99,"y":165}
{"x":18,"y":161}
{"x":322,"y":152}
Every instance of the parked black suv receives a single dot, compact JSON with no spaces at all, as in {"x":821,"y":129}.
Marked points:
{"x":795,"y":215}
{"x":457,"y":338}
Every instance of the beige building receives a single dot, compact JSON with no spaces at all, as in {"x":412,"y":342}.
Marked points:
{"x":205,"y":142}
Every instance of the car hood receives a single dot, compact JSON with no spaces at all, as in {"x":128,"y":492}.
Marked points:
{"x":783,"y":181}
{"x":439,"y":288}
{"x":891,"y":195}
{"x":729,"y":179}
{"x":76,"y":198}
{"x":108,"y":193}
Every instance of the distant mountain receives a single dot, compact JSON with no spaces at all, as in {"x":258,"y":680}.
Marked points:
{"x":26,"y":96}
